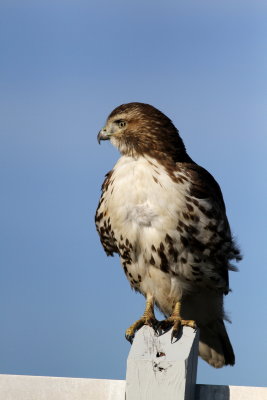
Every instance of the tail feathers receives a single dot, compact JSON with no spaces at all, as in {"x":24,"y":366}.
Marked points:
{"x":215,"y":346}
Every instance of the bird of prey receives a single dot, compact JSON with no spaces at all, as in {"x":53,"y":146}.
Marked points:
{"x":164,"y":215}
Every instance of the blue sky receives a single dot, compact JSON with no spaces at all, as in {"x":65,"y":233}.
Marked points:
{"x":64,"y":66}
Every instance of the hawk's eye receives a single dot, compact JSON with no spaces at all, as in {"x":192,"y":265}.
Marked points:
{"x":120,"y":123}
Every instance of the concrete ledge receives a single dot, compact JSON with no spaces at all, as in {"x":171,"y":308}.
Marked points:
{"x":25,"y":387}
{"x":219,"y":392}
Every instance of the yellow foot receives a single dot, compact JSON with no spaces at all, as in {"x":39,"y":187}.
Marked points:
{"x":176,"y":321}
{"x":147,"y":319}
{"x":130,"y":332}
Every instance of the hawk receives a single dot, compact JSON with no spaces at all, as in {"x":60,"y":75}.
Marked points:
{"x":164,"y":215}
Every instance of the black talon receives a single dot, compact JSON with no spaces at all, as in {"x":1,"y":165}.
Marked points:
{"x":129,"y":338}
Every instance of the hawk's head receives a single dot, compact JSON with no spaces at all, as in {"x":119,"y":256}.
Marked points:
{"x":138,"y":129}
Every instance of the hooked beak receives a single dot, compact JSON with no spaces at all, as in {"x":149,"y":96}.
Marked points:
{"x":103,"y":135}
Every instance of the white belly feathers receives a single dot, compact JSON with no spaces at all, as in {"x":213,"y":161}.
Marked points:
{"x":144,"y":204}
{"x":143,"y":194}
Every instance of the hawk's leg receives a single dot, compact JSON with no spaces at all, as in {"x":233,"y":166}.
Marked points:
{"x":176,"y":321}
{"x":148,"y":318}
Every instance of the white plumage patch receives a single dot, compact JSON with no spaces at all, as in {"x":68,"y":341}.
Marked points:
{"x":144,"y":203}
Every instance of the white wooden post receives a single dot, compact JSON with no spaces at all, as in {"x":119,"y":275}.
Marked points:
{"x":159,"y":369}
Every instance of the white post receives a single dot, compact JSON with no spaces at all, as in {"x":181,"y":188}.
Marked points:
{"x":159,"y":369}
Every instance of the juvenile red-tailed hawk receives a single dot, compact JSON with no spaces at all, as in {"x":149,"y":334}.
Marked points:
{"x":165,"y":217}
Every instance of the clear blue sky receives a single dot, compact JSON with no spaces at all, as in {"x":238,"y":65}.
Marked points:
{"x":64,"y":306}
